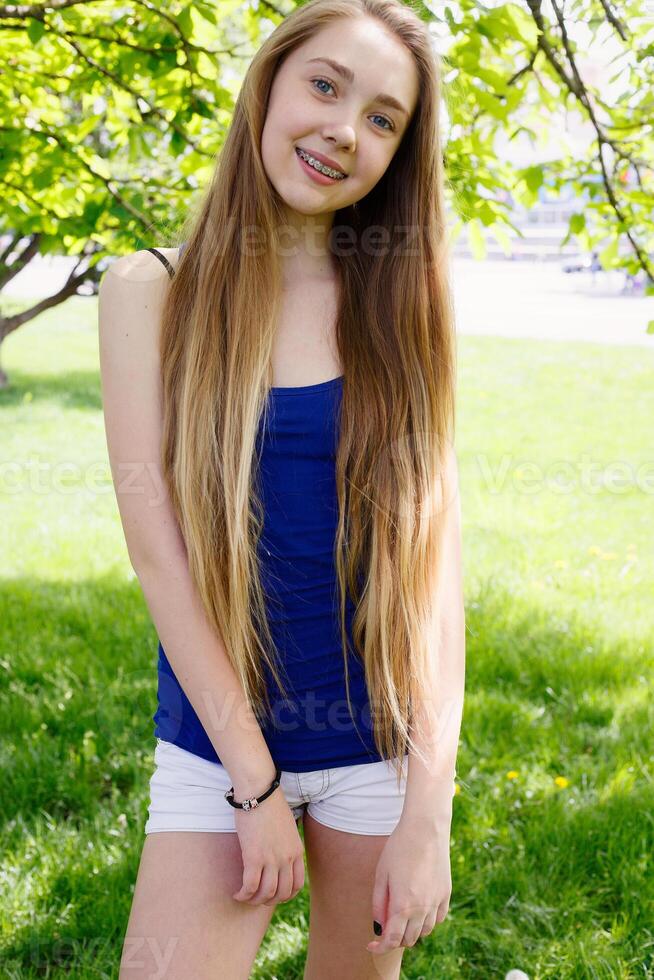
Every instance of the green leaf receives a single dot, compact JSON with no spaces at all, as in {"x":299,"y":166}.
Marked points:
{"x":185,"y":22}
{"x":100,"y":166}
{"x":35,"y":31}
{"x":534,"y":178}
{"x":42,"y":178}
{"x":86,"y":127}
{"x":476,"y":239}
{"x":139,"y":148}
{"x":485,"y":212}
{"x":524,"y":25}
{"x":205,"y":10}
{"x":502,"y":238}
{"x":449,"y":17}
{"x":609,"y":254}
{"x":92,"y":211}
{"x":577,"y":223}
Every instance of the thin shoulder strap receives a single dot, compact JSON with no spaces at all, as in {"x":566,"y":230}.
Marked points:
{"x":171,"y":271}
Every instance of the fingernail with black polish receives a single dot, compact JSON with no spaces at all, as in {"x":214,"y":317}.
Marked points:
{"x":377,"y":927}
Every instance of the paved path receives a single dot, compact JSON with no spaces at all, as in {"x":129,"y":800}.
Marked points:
{"x":529,"y":299}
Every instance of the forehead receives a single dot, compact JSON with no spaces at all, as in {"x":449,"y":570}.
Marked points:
{"x":378,"y":59}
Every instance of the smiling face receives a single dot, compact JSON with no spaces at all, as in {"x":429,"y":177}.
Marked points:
{"x":357,"y":122}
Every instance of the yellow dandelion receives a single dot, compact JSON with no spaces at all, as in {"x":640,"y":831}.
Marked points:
{"x":608,"y":556}
{"x":594,"y":550}
{"x":512,"y":774}
{"x":562,"y":781}
{"x":560,"y":563}
{"x":457,"y":789}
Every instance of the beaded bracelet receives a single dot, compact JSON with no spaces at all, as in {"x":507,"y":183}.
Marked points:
{"x":253,"y":801}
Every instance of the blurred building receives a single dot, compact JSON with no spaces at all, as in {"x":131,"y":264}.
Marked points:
{"x":545,"y":224}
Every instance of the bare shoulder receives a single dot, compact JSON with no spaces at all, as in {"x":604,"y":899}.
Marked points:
{"x":141,"y":268}
{"x":131,"y":295}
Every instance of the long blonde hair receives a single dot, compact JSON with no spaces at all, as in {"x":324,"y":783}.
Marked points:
{"x":396,"y":341}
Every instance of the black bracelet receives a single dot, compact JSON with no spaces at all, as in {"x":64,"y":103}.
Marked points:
{"x":254,"y":800}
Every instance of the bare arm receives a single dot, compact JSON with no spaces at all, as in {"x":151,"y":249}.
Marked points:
{"x":130,"y":302}
{"x":437,"y":720}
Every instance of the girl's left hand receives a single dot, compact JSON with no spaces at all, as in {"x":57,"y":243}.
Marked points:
{"x":413,"y":884}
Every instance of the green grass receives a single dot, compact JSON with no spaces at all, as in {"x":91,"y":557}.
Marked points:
{"x":549,"y":876}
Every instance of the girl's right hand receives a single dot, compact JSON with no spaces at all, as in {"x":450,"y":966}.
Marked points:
{"x":272,"y":852}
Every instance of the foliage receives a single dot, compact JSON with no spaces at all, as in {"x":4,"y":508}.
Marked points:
{"x":111,"y":116}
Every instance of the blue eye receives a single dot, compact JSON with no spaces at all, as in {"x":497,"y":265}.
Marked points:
{"x":390,"y":124}
{"x":322,"y":80}
{"x":391,"y":127}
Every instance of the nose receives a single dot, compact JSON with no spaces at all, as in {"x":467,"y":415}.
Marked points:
{"x":343,"y":137}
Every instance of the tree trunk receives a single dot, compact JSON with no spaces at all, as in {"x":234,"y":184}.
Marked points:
{"x":4,"y":380}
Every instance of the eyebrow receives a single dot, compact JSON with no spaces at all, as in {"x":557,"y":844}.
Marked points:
{"x":348,"y":75}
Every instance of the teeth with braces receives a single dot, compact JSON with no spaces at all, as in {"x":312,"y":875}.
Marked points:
{"x":317,"y":165}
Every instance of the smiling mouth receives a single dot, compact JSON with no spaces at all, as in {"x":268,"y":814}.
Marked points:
{"x":321,"y":168}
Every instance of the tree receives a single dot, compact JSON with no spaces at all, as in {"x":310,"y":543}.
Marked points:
{"x":108,"y":126}
{"x":110,"y":120}
{"x":516,"y":70}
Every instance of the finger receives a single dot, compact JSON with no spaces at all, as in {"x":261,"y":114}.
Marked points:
{"x":392,"y":934}
{"x":443,"y":909}
{"x":298,"y":874}
{"x":251,"y":878}
{"x":267,"y":889}
{"x":413,"y":931}
{"x":284,"y":885}
{"x":429,"y":924}
{"x":380,"y":899}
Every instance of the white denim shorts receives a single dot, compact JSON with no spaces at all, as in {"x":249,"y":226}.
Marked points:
{"x":187,"y":792}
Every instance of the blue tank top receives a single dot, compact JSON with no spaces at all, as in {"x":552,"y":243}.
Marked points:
{"x":296,"y":480}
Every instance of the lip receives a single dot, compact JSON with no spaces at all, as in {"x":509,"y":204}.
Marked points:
{"x":323,"y":159}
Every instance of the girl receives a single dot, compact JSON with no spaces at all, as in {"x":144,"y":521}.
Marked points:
{"x":279,"y":403}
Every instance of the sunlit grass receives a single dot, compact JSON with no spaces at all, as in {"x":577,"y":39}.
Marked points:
{"x":552,"y":830}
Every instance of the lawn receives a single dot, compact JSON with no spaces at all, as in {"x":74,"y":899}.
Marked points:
{"x":552,"y":831}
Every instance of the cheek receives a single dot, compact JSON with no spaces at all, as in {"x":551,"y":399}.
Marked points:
{"x":368,"y":172}
{"x":273,"y":136}
{"x":283,"y":128}
{"x":378,"y":165}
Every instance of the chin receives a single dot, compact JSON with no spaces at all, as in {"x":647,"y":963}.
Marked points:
{"x":298,"y":202}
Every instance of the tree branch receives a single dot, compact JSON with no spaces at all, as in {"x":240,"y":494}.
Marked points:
{"x":613,"y":20}
{"x":575,"y":85}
